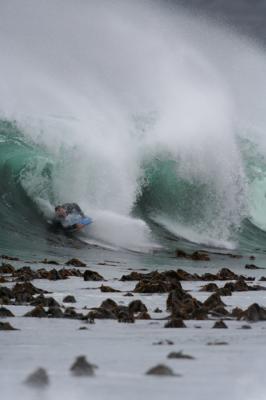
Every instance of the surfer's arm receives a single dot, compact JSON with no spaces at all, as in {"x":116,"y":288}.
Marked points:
{"x":78,"y":226}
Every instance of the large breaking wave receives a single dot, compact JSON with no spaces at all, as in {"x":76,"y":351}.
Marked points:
{"x":144,"y":117}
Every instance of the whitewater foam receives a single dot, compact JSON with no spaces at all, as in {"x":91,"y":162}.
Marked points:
{"x":107,"y":89}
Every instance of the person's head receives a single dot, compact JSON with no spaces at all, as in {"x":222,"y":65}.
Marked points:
{"x":60,"y":211}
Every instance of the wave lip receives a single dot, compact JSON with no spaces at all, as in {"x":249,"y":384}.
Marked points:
{"x":137,"y":114}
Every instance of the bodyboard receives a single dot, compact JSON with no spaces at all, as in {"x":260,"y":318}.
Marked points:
{"x":83,"y":221}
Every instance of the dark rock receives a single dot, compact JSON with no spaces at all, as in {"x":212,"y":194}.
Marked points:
{"x":25,"y":274}
{"x":220,"y":325}
{"x":245,"y":327}
{"x":152,"y":287}
{"x":175,"y":323}
{"x":9,"y":258}
{"x":237,"y":312}
{"x":240,"y":285}
{"x":101,"y":313}
{"x":82,"y":367}
{"x":252,"y":266}
{"x":256,"y":287}
{"x":180,"y":253}
{"x":182,"y":304}
{"x":161,"y":370}
{"x":175,"y":299}
{"x":109,"y":304}
{"x":92,"y":276}
{"x":217,"y":343}
{"x":108,"y":289}
{"x":185,"y":276}
{"x":136,"y":276}
{"x":5,"y":326}
{"x":125,"y":316}
{"x":263,"y":279}
{"x":69,"y":299}
{"x":38,"y":378}
{"x":164,"y":342}
{"x":70,"y":313}
{"x":55,"y":312}
{"x":143,"y":315}
{"x":4,"y":313}
{"x":255,"y":313}
{"x":210,"y":287}
{"x":200,"y":314}
{"x":180,"y":355}
{"x":37,"y":312}
{"x":50,"y":262}
{"x":137,"y":306}
{"x":208,"y":277}
{"x":44,"y":301}
{"x":226,"y":274}
{"x":196,"y":256}
{"x":26,"y":288}
{"x":213,"y":301}
{"x":83,"y":328}
{"x":7,"y":269}
{"x":5,"y":295}
{"x":219,"y":311}
{"x":129,"y":294}
{"x":55,"y":275}
{"x":226,"y":290}
{"x":157,"y":310}
{"x":76,"y":262}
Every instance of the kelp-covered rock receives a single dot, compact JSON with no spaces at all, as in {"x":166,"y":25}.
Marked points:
{"x":220,"y":325}
{"x":37,"y":312}
{"x":5,"y":313}
{"x":108,"y":289}
{"x":44,"y":301}
{"x":179,"y":356}
{"x":143,"y":315}
{"x":5,"y":295}
{"x":92,"y":276}
{"x":161,"y":370}
{"x":136,"y":306}
{"x":81,"y":367}
{"x":38,"y":378}
{"x":76,"y":262}
{"x":7,"y":269}
{"x":6,"y":326}
{"x":55,"y":312}
{"x":69,"y":299}
{"x":213,"y":301}
{"x":101,"y":313}
{"x":254,"y":313}
{"x":196,"y":256}
{"x":109,"y":304}
{"x":175,"y":323}
{"x":209,"y":287}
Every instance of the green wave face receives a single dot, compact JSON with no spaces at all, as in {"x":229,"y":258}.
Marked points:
{"x":22,"y":223}
{"x":188,"y":208}
{"x":134,"y":115}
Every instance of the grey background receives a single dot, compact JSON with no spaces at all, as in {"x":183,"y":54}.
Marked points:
{"x":246,"y":16}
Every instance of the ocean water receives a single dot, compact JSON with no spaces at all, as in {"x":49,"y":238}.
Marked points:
{"x":148,"y":116}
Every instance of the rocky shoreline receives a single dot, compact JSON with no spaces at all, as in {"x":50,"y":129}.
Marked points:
{"x":176,"y":298}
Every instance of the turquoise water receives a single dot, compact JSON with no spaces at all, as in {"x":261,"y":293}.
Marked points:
{"x":28,"y":173}
{"x":152,"y":120}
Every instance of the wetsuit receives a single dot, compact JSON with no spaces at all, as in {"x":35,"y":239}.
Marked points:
{"x":72,"y":208}
{"x":73,"y":216}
